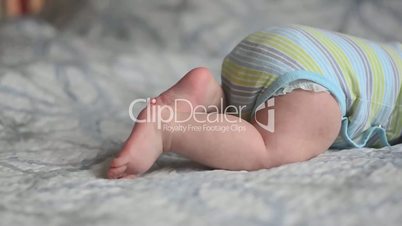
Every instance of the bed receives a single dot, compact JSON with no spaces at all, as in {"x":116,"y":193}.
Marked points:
{"x":65,"y":86}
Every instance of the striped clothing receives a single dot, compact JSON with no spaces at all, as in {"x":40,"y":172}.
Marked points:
{"x":365,"y":78}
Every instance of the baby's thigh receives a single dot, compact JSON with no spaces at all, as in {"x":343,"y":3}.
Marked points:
{"x":305,"y":124}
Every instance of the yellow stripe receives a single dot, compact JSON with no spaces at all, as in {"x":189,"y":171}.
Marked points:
{"x":396,"y":116}
{"x":247,"y":77}
{"x":378,"y":77}
{"x":341,"y":59}
{"x":287,"y":46}
{"x":395,"y":57}
{"x":396,"y":122}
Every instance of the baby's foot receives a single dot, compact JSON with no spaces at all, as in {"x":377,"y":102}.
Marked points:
{"x":146,"y":141}
{"x":140,"y":151}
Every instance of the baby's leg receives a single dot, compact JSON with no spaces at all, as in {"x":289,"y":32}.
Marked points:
{"x":306,"y":124}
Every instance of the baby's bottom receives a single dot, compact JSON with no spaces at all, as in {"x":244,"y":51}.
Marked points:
{"x":306,"y":124}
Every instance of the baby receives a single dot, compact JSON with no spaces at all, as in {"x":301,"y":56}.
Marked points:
{"x":288,"y":94}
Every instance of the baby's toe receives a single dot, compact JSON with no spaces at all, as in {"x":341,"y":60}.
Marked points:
{"x":131,"y":176}
{"x":117,"y":172}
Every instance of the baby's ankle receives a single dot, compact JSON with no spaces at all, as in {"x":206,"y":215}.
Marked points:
{"x":166,"y":139}
{"x":163,"y":118}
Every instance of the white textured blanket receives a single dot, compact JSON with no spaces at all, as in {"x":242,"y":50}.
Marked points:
{"x":63,"y":114}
